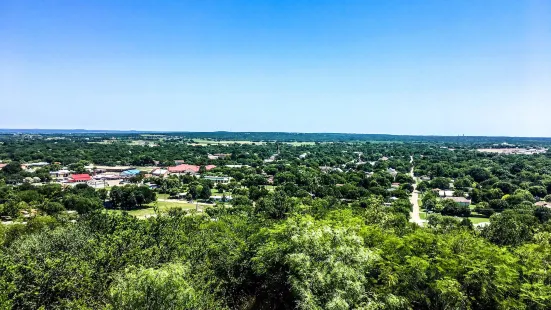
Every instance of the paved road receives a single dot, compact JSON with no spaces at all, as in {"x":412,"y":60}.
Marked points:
{"x":414,"y":199}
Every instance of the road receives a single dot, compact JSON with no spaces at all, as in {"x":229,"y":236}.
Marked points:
{"x":415,"y":216}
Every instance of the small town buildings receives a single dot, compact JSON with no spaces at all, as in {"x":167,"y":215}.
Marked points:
{"x":60,"y":175}
{"x":112,"y":168}
{"x":221,"y":198}
{"x":107,"y":176}
{"x":159,"y":172}
{"x":79,"y":178}
{"x":218,"y":180}
{"x":130,"y":173}
{"x":237,"y":166}
{"x":40,"y":164}
{"x":462,"y":201}
{"x":188,"y":169}
{"x":218,"y":156}
{"x":445,"y":193}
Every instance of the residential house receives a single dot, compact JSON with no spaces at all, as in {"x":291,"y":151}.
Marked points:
{"x":60,"y":175}
{"x":218,"y":180}
{"x":130,"y":173}
{"x":445,"y":193}
{"x":221,"y":198}
{"x":462,"y":201}
{"x":188,"y":169}
{"x":159,"y":172}
{"x":79,"y":178}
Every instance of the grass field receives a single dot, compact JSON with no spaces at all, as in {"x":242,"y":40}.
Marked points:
{"x":206,"y":142}
{"x":478,"y":220}
{"x":162,"y":205}
{"x":296,"y":143}
{"x":475,"y":218}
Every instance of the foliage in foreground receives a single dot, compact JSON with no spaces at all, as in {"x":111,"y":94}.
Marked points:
{"x":320,"y":255}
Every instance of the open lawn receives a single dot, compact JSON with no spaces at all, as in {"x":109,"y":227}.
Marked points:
{"x":206,"y":142}
{"x":297,"y":143}
{"x":475,"y":218}
{"x":163,"y":206}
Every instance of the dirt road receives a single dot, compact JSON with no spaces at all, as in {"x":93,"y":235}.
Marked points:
{"x":415,"y":216}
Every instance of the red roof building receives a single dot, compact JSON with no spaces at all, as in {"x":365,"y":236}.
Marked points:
{"x":79,"y":178}
{"x":2,"y":166}
{"x":185,"y":168}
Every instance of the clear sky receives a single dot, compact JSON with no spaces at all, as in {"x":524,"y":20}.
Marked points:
{"x":399,"y":67}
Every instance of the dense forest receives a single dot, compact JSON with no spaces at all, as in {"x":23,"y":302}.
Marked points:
{"x":316,"y":222}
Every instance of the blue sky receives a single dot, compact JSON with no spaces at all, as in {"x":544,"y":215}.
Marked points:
{"x":398,"y":67}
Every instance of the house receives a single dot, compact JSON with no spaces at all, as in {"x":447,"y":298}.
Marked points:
{"x":237,"y":166}
{"x":445,"y":193}
{"x":425,"y":178}
{"x":79,"y":178}
{"x":188,"y":169}
{"x":218,"y":156}
{"x":40,"y":164}
{"x":130,"y":173}
{"x":159,"y":172}
{"x":60,"y":175}
{"x":2,"y":166}
{"x":395,"y":185}
{"x":179,"y":161}
{"x":384,"y":158}
{"x":183,"y":169}
{"x":112,"y":168}
{"x":302,"y":156}
{"x":462,"y":201}
{"x":218,"y":180}
{"x":221,"y":198}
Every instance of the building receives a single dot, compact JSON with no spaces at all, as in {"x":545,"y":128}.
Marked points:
{"x":60,"y":175}
{"x":462,"y":201}
{"x":218,"y":180}
{"x":179,"y":161}
{"x":183,"y":169}
{"x":79,"y":178}
{"x":395,"y":185}
{"x":445,"y":193}
{"x":40,"y":164}
{"x":130,"y":173}
{"x":159,"y":172}
{"x":218,"y":156}
{"x":237,"y":166}
{"x":302,"y":156}
{"x":188,"y":169}
{"x":2,"y":166}
{"x":221,"y":198}
{"x":112,"y":168}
